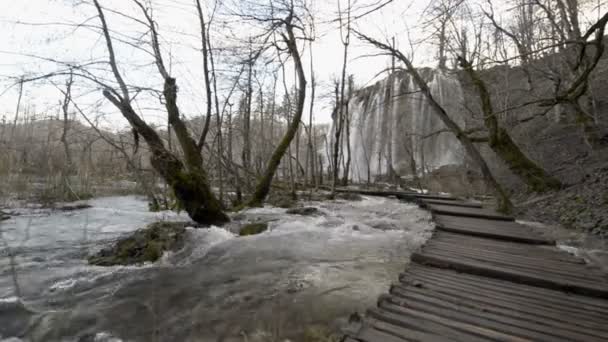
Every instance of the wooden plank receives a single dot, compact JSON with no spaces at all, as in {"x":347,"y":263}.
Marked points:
{"x":566,"y":276}
{"x":468,"y":212}
{"x":594,"y":289}
{"x":436,"y":324}
{"x":525,"y":261}
{"x":509,"y":231}
{"x":456,"y":203}
{"x":434,"y":197}
{"x":403,"y":333}
{"x":499,"y":235}
{"x":529,"y":293}
{"x":548,"y":251}
{"x":436,"y":297}
{"x":492,"y":322}
{"x":515,"y":248}
{"x":450,"y":290}
{"x":413,"y":320}
{"x":551,"y":304}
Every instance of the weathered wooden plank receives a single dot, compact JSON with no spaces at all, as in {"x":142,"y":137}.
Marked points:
{"x":434,"y":197}
{"x":501,"y":287}
{"x":436,"y":324}
{"x":494,"y":234}
{"x":595,"y":289}
{"x":413,"y":320}
{"x":491,"y":316}
{"x":546,"y":251}
{"x":550,"y":253}
{"x":504,"y":310}
{"x":509,"y":231}
{"x":563,"y":313}
{"x":528,"y":262}
{"x":534,"y":258}
{"x":403,"y":333}
{"x":456,"y":312}
{"x":468,"y":212}
{"x":566,"y":277}
{"x":455,"y":203}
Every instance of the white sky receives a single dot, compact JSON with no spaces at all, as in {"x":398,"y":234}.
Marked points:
{"x":37,"y":27}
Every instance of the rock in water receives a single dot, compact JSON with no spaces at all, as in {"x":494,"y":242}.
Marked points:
{"x":74,"y":207}
{"x":143,"y":245}
{"x":253,"y":228}
{"x":15,"y":317}
{"x":304,"y":211}
{"x":349,"y":196}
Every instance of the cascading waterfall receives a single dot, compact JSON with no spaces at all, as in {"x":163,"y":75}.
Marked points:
{"x":391,"y":122}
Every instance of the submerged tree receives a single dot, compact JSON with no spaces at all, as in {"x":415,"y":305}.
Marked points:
{"x":186,"y":176}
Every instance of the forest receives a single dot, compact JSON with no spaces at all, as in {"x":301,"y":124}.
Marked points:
{"x":238,"y":170}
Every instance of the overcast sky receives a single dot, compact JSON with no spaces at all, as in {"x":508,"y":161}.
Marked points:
{"x":45,"y":28}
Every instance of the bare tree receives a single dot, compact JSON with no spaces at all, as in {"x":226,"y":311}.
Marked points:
{"x":187,"y":178}
{"x":68,"y":166}
{"x":205,"y":51}
{"x":289,"y":24}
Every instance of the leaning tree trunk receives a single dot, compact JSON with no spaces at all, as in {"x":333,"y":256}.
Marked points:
{"x":263,"y":187}
{"x":188,"y":179}
{"x":504,"y":203}
{"x":499,"y":140}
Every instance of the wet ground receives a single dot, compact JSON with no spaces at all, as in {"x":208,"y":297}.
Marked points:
{"x":304,"y":275}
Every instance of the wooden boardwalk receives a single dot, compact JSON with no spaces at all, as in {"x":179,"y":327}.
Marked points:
{"x":484,"y":277}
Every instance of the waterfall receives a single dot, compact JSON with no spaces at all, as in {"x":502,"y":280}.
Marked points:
{"x":391,"y":120}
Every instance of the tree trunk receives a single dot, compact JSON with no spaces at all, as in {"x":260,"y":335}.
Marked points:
{"x":504,"y":203}
{"x":68,"y":165}
{"x":535,"y":177}
{"x":263,"y":187}
{"x":188,"y":179}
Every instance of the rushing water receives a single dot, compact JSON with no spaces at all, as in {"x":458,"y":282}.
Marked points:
{"x":302,"y":271}
{"x":391,"y":120}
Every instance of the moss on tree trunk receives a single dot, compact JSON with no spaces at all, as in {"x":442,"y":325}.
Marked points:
{"x":263,"y":187}
{"x":535,"y":177}
{"x":191,"y":190}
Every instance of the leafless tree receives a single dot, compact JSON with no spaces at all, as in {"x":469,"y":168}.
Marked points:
{"x":287,"y":19}
{"x":188,"y":177}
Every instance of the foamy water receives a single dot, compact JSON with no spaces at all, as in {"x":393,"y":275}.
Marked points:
{"x":342,"y":258}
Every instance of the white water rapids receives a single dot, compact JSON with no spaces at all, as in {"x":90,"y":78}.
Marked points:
{"x":303,"y":270}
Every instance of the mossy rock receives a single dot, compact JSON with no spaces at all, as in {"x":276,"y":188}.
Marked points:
{"x":73,"y":207}
{"x":144,"y":245}
{"x":305,"y":211}
{"x":4,"y":216}
{"x":349,"y":196}
{"x":253,"y":228}
{"x":282,"y":200}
